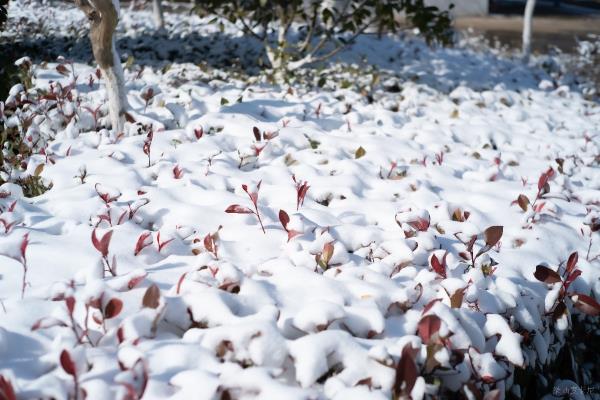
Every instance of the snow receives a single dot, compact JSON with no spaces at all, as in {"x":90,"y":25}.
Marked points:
{"x":258,"y":317}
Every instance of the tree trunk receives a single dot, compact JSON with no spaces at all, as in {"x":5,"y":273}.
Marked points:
{"x":527,"y":17}
{"x":103,"y":16}
{"x":157,"y":10}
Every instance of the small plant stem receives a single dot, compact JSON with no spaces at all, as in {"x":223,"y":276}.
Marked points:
{"x":24,"y":282}
{"x":259,"y":219}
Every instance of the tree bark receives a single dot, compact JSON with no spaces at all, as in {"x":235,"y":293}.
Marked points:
{"x":159,"y":20}
{"x":103,"y":16}
{"x":527,"y":22}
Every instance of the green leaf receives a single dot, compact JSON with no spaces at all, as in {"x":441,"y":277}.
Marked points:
{"x":224,"y":101}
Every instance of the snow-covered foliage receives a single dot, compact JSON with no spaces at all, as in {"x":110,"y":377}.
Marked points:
{"x":422,"y":228}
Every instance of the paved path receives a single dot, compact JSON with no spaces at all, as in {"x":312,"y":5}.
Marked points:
{"x":547,"y":30}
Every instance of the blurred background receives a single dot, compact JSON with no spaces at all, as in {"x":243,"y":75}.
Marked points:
{"x":557,"y":23}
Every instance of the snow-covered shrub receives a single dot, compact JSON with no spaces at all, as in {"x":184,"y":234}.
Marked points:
{"x":296,"y":33}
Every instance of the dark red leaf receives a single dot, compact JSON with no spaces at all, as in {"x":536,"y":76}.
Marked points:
{"x":256,"y":132}
{"x":120,"y":335}
{"x":546,"y":275}
{"x":572,"y":262}
{"x":586,"y":304}
{"x":67,"y":363}
{"x":406,"y":373}
{"x":559,"y":311}
{"x":62,"y":70}
{"x":284,"y":218}
{"x":113,"y":308}
{"x":574,"y":275}
{"x":542,"y":181}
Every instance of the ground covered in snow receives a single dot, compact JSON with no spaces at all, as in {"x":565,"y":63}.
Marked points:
{"x":353,"y":234}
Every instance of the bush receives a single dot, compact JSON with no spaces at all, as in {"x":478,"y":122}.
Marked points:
{"x":3,"y":12}
{"x":19,"y":137}
{"x":297,"y":32}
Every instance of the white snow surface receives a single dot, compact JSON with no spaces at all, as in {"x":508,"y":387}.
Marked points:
{"x":263,"y":319}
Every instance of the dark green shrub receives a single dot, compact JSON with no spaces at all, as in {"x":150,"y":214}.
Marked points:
{"x":301,"y":32}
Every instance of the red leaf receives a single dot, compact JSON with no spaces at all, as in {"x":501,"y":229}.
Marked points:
{"x":120,"y":335}
{"x":102,"y":244}
{"x":421,"y":224}
{"x":199,"y":132}
{"x":113,"y":308}
{"x":45,"y":323}
{"x":133,"y":282}
{"x":177,"y":172}
{"x":284,"y":218}
{"x":439,"y":267}
{"x":586,"y":304}
{"x":327,"y":253}
{"x":67,"y":363}
{"x":62,"y":70}
{"x":151,"y":297}
{"x":180,"y":282}
{"x":208,"y":243}
{"x":142,"y":243}
{"x":523,"y":202}
{"x":6,"y":389}
{"x":70,"y":301}
{"x":543,"y":180}
{"x":237,"y":209}
{"x":24,"y":244}
{"x":546,"y":275}
{"x":572,"y":262}
{"x":162,"y":245}
{"x":492,"y":235}
{"x":428,"y":327}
